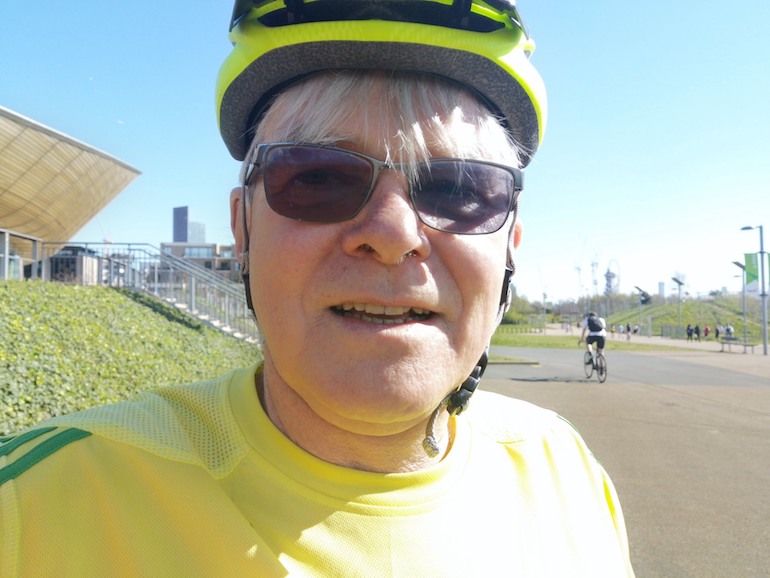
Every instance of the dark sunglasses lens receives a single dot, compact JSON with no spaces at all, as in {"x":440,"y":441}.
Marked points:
{"x":464,"y":197}
{"x":315,"y":184}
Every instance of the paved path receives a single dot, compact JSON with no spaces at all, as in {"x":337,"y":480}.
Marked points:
{"x":685,"y":435}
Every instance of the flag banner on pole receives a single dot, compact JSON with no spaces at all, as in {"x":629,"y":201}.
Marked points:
{"x":752,"y":273}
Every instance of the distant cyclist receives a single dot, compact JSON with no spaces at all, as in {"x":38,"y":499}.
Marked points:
{"x":597,"y":331}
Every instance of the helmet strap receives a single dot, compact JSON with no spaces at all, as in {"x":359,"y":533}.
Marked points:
{"x":244,"y":255}
{"x":455,"y":402}
{"x":458,"y":400}
{"x":506,"y":295}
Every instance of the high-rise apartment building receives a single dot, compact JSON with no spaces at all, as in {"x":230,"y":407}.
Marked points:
{"x":181,"y":216}
{"x":185,"y":230}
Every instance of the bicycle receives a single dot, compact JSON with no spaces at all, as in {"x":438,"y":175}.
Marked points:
{"x":593,"y":363}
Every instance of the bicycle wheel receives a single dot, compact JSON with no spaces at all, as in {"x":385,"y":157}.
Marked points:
{"x":601,"y":368}
{"x":588,"y":364}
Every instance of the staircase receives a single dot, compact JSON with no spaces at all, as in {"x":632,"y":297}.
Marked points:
{"x":208,"y":295}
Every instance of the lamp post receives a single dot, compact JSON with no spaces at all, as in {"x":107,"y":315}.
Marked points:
{"x":743,"y":300}
{"x":641,"y":302}
{"x":644,"y":299}
{"x":679,"y":300}
{"x":763,"y":294}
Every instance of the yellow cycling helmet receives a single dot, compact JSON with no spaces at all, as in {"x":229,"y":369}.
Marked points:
{"x":482,"y":45}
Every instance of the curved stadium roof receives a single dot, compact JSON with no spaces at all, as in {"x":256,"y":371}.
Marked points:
{"x":51,"y":185}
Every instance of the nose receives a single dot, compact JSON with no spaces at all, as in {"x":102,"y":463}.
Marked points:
{"x":388,"y":227}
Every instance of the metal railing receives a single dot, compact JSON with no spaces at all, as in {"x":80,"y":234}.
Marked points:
{"x":17,"y":253}
{"x":208,"y":295}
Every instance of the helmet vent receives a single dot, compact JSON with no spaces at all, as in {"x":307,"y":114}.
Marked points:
{"x":457,"y":15}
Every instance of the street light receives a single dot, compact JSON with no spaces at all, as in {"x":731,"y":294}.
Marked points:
{"x":641,"y":301}
{"x":743,"y":277}
{"x":644,"y":299}
{"x":679,"y":283}
{"x":763,"y":294}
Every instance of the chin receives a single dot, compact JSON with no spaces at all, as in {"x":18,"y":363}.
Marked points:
{"x":386,"y":403}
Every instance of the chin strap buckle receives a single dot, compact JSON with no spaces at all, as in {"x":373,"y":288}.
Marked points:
{"x":458,"y":401}
{"x":455,"y":403}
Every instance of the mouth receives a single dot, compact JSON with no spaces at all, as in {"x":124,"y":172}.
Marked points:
{"x":381,"y":314}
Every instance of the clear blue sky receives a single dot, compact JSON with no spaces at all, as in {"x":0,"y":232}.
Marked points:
{"x":656,"y":152}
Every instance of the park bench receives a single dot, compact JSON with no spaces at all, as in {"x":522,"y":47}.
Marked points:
{"x":730,"y":341}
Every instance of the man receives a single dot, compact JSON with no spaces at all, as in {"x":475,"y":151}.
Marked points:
{"x":596,"y":327}
{"x":376,"y":226}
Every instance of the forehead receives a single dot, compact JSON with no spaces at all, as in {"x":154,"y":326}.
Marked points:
{"x":409,"y":116}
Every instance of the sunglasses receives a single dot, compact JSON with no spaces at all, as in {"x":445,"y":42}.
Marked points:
{"x":324,"y":184}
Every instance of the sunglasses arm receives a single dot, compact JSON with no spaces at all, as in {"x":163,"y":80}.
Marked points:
{"x":244,"y":255}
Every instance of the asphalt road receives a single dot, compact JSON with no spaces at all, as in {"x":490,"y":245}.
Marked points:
{"x":685,"y":437}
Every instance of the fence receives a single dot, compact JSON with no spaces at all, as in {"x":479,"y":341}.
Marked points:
{"x":205,"y":294}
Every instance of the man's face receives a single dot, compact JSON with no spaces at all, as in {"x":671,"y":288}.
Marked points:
{"x":371,"y":321}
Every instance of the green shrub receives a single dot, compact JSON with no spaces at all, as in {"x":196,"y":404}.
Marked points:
{"x":67,"y":348}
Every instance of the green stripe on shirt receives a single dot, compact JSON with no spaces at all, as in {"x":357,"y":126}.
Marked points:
{"x":40,"y":452}
{"x":13,"y":443}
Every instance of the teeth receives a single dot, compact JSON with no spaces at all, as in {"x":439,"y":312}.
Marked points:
{"x":394,"y":314}
{"x":376,"y":309}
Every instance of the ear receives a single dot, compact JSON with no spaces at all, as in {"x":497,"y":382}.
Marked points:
{"x":240,"y":233}
{"x":514,"y":238}
{"x":516,"y":235}
{"x":236,"y":218}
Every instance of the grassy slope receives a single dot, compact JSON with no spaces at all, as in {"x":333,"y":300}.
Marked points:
{"x":664,"y":316}
{"x":711,"y":311}
{"x":66,"y":348}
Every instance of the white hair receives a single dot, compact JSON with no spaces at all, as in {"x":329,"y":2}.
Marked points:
{"x":426,"y":116}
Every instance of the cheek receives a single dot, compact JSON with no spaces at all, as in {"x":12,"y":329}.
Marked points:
{"x":279,"y":266}
{"x":287,"y":260}
{"x":479,"y":277}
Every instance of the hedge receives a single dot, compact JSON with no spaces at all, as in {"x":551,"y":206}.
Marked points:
{"x":67,"y":348}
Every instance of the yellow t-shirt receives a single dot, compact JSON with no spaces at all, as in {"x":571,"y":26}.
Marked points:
{"x":196,"y":481}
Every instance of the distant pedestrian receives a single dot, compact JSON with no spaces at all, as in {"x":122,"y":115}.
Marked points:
{"x":706,"y":331}
{"x":689,"y":332}
{"x":628,"y":332}
{"x":696,"y":330}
